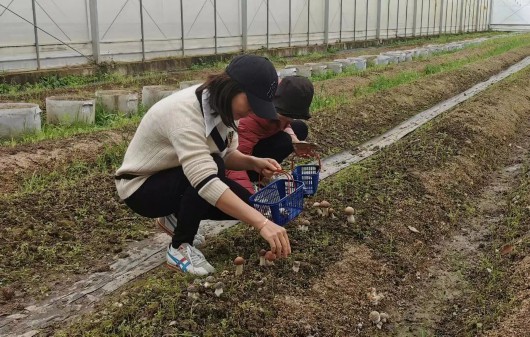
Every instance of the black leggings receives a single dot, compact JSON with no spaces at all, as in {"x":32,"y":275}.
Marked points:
{"x":169,"y":192}
{"x":278,"y":146}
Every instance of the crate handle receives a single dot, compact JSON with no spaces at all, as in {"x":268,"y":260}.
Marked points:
{"x":289,"y":176}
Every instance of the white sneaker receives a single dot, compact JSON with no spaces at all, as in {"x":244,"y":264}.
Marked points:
{"x":188,"y":259}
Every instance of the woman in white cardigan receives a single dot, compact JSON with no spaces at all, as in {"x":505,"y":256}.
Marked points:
{"x":174,"y":166}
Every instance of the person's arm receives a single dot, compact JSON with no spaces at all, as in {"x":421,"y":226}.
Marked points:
{"x":291,"y":133}
{"x":238,"y":161}
{"x":275,"y":235}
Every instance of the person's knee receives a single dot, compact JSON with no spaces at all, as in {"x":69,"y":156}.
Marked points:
{"x":300,"y":129}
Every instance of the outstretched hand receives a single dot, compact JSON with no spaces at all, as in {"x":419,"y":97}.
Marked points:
{"x":277,"y":238}
{"x":266,"y":166}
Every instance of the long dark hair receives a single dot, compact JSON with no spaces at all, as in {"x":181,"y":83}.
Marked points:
{"x":222,"y":89}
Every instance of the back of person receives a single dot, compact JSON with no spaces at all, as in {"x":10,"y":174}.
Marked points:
{"x":274,"y":138}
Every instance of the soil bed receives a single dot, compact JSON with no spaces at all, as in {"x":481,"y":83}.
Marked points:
{"x":429,"y":182}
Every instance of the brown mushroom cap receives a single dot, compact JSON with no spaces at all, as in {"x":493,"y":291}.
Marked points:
{"x":349,"y":210}
{"x":374,"y":316}
{"x":270,"y":256}
{"x":324,"y":204}
{"x":306,"y":222}
{"x":239,"y":261}
{"x":192,"y":288}
{"x":262,"y":252}
{"x":219,"y":285}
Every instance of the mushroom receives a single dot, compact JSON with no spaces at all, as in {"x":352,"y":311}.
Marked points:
{"x":269,"y":258}
{"x":193,"y":292}
{"x":375,"y":318}
{"x":209,"y":281}
{"x":219,"y":288}
{"x":296,"y":266}
{"x":197,"y":282}
{"x":239,"y":262}
{"x":374,"y":297}
{"x":304,"y":225}
{"x":384,"y":317}
{"x":349,"y":212}
{"x":316,"y":205}
{"x":262,"y":261}
{"x":324,"y":205}
{"x":332,"y":213}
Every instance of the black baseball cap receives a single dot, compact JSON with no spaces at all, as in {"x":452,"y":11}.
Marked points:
{"x":294,"y":96}
{"x":259,"y":80}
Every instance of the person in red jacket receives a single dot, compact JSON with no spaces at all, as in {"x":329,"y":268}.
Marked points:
{"x":274,"y":138}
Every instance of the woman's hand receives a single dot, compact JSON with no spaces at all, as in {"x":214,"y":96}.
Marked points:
{"x":277,"y":238}
{"x":266,"y":166}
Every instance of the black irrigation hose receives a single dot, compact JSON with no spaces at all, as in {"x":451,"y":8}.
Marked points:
{"x":42,"y":30}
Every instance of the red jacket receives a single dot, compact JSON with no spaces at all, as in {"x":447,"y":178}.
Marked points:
{"x":251,"y":130}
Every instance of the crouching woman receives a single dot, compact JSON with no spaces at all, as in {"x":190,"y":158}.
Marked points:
{"x":174,"y":167}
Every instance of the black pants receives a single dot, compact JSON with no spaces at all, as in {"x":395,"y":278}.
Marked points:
{"x":169,"y":192}
{"x":278,"y":146}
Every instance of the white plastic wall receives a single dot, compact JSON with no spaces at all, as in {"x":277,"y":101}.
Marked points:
{"x":65,"y":27}
{"x":511,"y":15}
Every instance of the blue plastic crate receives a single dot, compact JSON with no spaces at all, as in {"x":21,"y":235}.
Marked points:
{"x":280,"y":201}
{"x":309,"y":175}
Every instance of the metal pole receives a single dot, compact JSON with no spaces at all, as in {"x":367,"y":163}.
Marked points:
{"x":441,"y":16}
{"x":36,"y":33}
{"x":267,"y":24}
{"x":215,"y":24}
{"x":406,"y":16}
{"x":326,"y":22}
{"x":366,"y":23}
{"x":354,"y":20}
{"x":388,"y":19}
{"x":94,"y":29}
{"x":290,"y":8}
{"x":340,"y":22}
{"x":308,"y":19}
{"x":378,"y":28}
{"x":462,"y":17}
{"x":428,"y":17}
{"x":421,"y":18}
{"x":142,"y":28}
{"x":397,"y":20}
{"x":244,"y":28}
{"x":415,"y":20}
{"x":490,"y":14}
{"x":445,"y":22}
{"x":182,"y":26}
{"x":453,"y":14}
{"x":477,"y":15}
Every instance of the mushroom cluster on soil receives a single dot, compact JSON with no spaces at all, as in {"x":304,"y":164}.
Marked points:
{"x":379,"y":318}
{"x":323,"y":208}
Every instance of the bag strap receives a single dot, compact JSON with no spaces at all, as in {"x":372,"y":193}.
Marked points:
{"x":216,"y":136}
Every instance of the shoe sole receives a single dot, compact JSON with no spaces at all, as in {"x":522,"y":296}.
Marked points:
{"x":173,"y":268}
{"x":163,"y":228}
